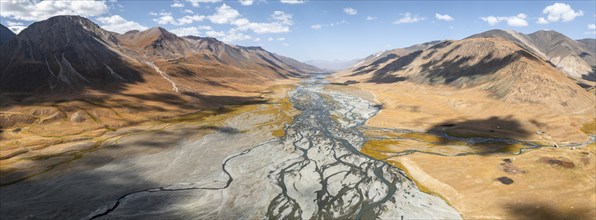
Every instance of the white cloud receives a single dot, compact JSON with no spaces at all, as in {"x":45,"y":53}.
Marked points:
{"x":370,"y":18}
{"x":118,"y":24}
{"x":281,"y":24}
{"x":542,"y":20}
{"x":14,"y":23}
{"x":177,"y":5}
{"x":41,"y":10}
{"x":590,"y":26}
{"x":408,"y":18}
{"x":332,"y":24}
{"x":292,"y":1}
{"x":246,"y":2}
{"x":282,"y":17}
{"x":281,"y":38}
{"x":558,"y":12}
{"x":518,"y":20}
{"x":215,"y":34}
{"x":267,"y":28}
{"x":187,"y":19}
{"x":16,"y":28}
{"x":444,"y":17}
{"x":224,"y":15}
{"x":350,"y":11}
{"x":195,"y":3}
{"x":186,"y":31}
{"x":188,"y":11}
{"x":232,"y":35}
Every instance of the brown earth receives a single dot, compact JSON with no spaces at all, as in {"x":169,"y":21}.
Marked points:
{"x":489,"y":181}
{"x":36,"y":138}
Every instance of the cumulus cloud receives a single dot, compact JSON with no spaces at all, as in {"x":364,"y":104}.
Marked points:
{"x":187,"y":19}
{"x":316,"y":26}
{"x":188,"y":11}
{"x":118,"y":24}
{"x":177,"y":5}
{"x":444,"y":17}
{"x":41,"y":10}
{"x":408,"y":18}
{"x":195,"y":3}
{"x":590,"y":26}
{"x":186,"y":31}
{"x":224,"y":15}
{"x":370,"y":18}
{"x":515,"y":21}
{"x":228,"y":15}
{"x":350,"y":11}
{"x":558,"y":12}
{"x":246,"y":2}
{"x":292,"y":1}
{"x":15,"y":27}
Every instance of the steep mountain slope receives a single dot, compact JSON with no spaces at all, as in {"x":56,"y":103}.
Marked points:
{"x":65,"y":52}
{"x":5,"y":34}
{"x":589,"y":44}
{"x":497,"y":66}
{"x":249,"y":57}
{"x":378,"y":61}
{"x":568,"y":55}
{"x":71,"y":53}
{"x":157,"y":43}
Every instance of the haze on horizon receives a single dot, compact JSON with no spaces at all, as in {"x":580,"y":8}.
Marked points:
{"x":318,"y":30}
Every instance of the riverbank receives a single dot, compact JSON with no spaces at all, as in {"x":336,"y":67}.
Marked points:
{"x":485,"y":180}
{"x":26,"y":154}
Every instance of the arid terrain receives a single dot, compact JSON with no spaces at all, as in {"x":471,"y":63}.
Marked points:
{"x":492,"y":149}
{"x":151,"y":125}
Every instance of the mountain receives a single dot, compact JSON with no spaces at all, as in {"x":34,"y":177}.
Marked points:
{"x":249,"y":57}
{"x":332,"y":65}
{"x":498,"y":66}
{"x":64,"y":53}
{"x":5,"y":34}
{"x":71,"y":53}
{"x":589,"y":44}
{"x":566,"y":54}
{"x":382,"y":59}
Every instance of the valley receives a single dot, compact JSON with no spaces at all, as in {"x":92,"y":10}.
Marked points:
{"x":160,"y":124}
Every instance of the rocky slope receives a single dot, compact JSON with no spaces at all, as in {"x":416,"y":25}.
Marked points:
{"x":568,"y":55}
{"x":71,"y":53}
{"x":64,"y":53}
{"x":5,"y":34}
{"x":381,"y":59}
{"x":503,"y":69}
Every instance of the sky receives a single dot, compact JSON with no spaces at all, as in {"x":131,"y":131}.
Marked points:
{"x":317,"y":30}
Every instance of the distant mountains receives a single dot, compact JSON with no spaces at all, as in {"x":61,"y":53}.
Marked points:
{"x":332,"y":65}
{"x":543,"y":67}
{"x":71,"y":53}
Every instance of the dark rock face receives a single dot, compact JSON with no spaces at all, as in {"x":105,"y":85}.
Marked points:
{"x":5,"y":34}
{"x":64,"y":52}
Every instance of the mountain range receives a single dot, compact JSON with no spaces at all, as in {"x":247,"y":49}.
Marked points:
{"x":71,"y":53}
{"x":544,"y":67}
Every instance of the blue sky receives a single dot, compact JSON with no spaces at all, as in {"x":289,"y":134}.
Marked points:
{"x":324,"y":30}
